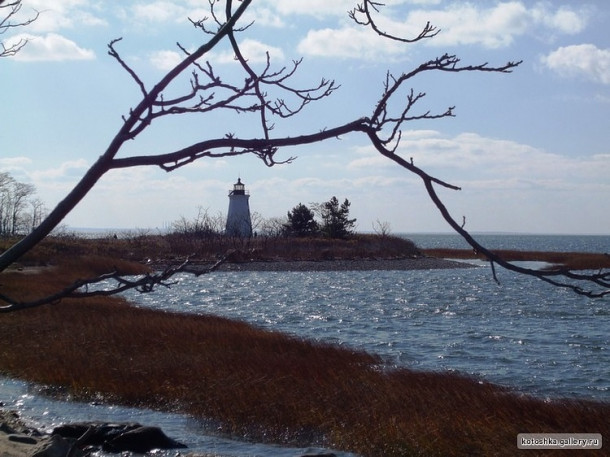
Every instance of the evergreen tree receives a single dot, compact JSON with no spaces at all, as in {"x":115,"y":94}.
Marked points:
{"x":301,"y":221}
{"x":335,"y":219}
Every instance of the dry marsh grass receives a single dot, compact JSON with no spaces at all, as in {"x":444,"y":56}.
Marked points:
{"x":265,"y":385}
{"x":565,"y":260}
{"x":175,"y":247}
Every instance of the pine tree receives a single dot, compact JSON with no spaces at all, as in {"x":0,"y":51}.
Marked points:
{"x":335,"y":219}
{"x":301,"y":222}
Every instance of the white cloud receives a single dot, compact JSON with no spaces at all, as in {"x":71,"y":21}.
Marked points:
{"x":165,"y":60}
{"x":506,"y":185}
{"x":159,"y":11}
{"x":348,"y":42}
{"x":491,"y":27}
{"x":424,"y":2}
{"x":66,"y":171}
{"x":61,"y":14}
{"x":498,"y":26}
{"x":584,"y":60}
{"x":459,"y":24}
{"x":415,"y":134}
{"x":164,"y":11}
{"x":10,"y":163}
{"x":254,"y":52}
{"x":503,"y":178}
{"x":470,"y":151}
{"x":264,"y":16}
{"x":50,"y":47}
{"x":563,"y":20}
{"x":315,"y":8}
{"x":480,"y":161}
{"x":369,"y":162}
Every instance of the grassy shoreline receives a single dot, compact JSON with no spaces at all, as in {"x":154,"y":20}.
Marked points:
{"x":557,"y":260}
{"x":263,"y":385}
{"x":267,"y":386}
{"x":155,"y":250}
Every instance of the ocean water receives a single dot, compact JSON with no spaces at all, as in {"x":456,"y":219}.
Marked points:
{"x":551,"y":243}
{"x":521,"y":333}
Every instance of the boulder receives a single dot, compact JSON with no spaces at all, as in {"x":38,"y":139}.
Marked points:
{"x":118,"y":437}
{"x":324,"y":454}
{"x":19,"y":438}
{"x":141,"y":440}
{"x":93,"y":433}
{"x":56,"y":446}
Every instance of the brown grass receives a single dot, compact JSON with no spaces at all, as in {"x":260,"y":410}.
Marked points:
{"x":265,"y":385}
{"x":569,"y":260}
{"x":176,"y":247}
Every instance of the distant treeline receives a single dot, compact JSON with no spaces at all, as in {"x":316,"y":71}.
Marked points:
{"x":20,"y":209}
{"x":329,"y":219}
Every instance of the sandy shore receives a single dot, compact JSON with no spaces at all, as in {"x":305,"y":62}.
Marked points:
{"x":420,"y":263}
{"x":16,"y":439}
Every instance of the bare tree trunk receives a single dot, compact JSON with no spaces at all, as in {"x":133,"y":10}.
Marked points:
{"x":57,"y":215}
{"x":136,"y":122}
{"x":396,"y":106}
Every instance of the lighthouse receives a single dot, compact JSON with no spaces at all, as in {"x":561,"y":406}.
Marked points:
{"x":238,"y":219}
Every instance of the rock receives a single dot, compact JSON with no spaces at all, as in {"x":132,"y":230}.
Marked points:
{"x":141,"y":440}
{"x":117,"y":437}
{"x":93,"y":433}
{"x":324,"y":454}
{"x":5,"y":428}
{"x":56,"y":446}
{"x":18,"y":438}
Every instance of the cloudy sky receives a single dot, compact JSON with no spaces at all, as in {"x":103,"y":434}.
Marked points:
{"x":530,"y":149}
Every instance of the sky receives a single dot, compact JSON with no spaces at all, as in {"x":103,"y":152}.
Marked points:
{"x":530,"y":149}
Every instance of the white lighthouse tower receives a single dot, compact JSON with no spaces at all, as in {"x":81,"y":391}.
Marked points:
{"x":238,"y":219}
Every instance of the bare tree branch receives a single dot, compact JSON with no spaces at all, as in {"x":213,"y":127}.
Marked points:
{"x":6,"y":24}
{"x":362,"y":15}
{"x":594,"y":285}
{"x":397,"y":105}
{"x":387,"y":145}
{"x":132,"y":126}
{"x":84,"y":288}
{"x":112,"y":52}
{"x":230,"y":146}
{"x":446,"y":63}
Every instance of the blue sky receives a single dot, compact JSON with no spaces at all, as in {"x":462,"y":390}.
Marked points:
{"x":530,"y":149}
